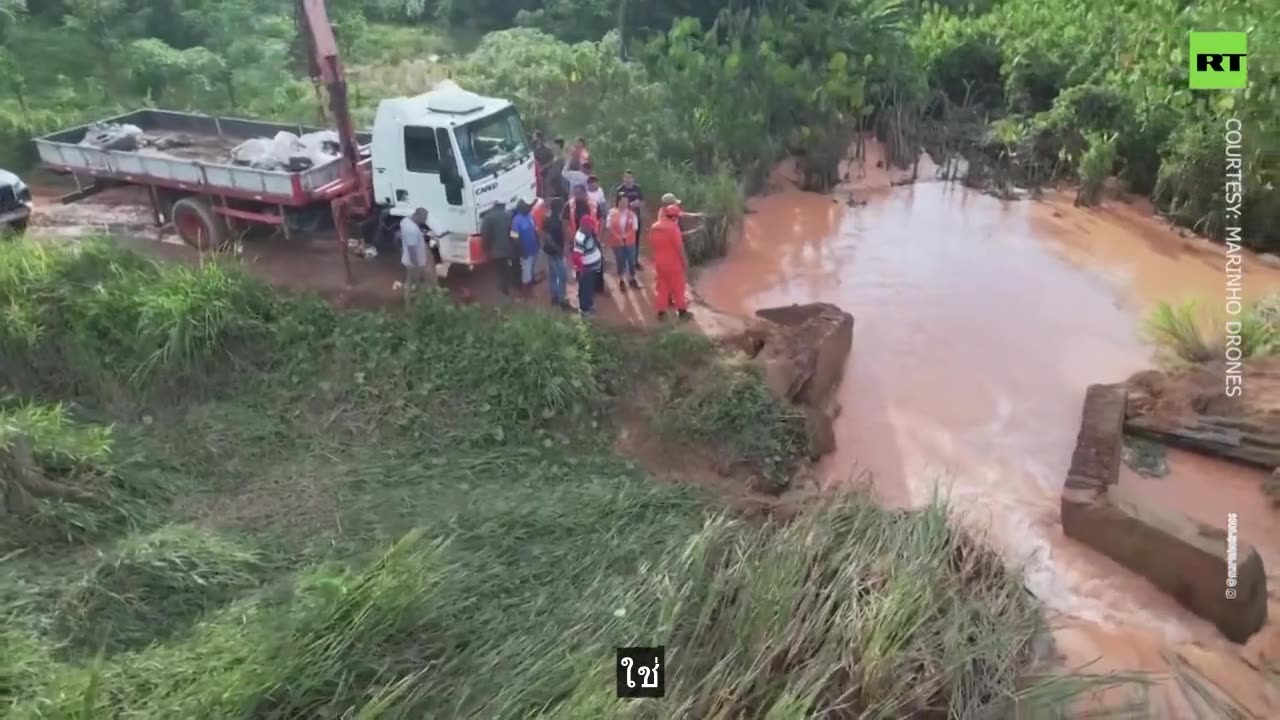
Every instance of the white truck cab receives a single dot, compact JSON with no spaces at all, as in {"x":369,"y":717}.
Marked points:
{"x":455,"y":153}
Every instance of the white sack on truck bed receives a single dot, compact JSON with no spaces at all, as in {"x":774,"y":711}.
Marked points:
{"x":287,"y":151}
{"x":113,"y":136}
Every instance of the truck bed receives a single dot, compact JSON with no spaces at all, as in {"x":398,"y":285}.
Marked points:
{"x":202,"y":166}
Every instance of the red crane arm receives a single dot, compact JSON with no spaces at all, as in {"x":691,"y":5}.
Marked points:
{"x":326,"y":67}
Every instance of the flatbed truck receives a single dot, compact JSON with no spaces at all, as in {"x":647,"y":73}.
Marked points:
{"x":453,"y":152}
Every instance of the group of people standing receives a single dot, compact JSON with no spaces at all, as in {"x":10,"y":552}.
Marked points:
{"x":571,"y":223}
{"x":575,"y":219}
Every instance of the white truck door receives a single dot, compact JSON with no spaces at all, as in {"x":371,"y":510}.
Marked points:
{"x":430,"y":180}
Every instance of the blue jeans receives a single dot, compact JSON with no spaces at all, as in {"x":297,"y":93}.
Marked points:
{"x":587,"y":279}
{"x":558,"y":277}
{"x":528,"y":266}
{"x":625,"y":260}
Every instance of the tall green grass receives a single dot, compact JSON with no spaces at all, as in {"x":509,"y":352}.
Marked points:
{"x":850,"y":610}
{"x":1182,"y":330}
{"x":151,"y":585}
{"x":476,"y":444}
{"x":91,"y":318}
{"x":1177,"y":327}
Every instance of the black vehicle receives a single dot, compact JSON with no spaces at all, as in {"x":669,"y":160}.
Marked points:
{"x":15,"y":203}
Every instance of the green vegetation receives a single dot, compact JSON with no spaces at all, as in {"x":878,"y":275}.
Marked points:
{"x":700,"y":98}
{"x":730,"y":408}
{"x":1183,"y":330}
{"x":1096,"y":165}
{"x":1058,"y":72}
{"x":150,"y":583}
{"x":249,"y":575}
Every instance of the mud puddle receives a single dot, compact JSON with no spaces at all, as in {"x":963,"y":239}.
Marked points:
{"x":120,"y":211}
{"x":978,"y":325}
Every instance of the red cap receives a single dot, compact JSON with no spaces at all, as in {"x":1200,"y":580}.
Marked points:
{"x":671,"y":211}
{"x":588,"y":223}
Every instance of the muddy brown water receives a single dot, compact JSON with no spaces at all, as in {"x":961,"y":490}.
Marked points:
{"x":979,"y":323}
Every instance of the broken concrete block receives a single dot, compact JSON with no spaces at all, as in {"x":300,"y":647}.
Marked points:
{"x":803,"y":355}
{"x":1095,"y":464}
{"x":1184,"y":558}
{"x":821,"y":431}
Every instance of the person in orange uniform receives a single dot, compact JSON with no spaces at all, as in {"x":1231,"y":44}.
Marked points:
{"x":666,"y":244}
{"x":539,"y":214}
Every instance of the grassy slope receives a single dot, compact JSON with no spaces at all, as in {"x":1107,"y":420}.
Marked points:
{"x":272,"y":451}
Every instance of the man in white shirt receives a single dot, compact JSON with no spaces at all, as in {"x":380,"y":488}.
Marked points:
{"x":416,"y":256}
{"x":574,"y":179}
{"x":596,"y":193}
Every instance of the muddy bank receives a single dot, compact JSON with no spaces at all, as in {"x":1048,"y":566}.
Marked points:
{"x":980,"y":323}
{"x":1189,"y":408}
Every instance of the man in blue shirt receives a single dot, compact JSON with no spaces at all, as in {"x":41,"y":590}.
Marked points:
{"x":527,"y":236}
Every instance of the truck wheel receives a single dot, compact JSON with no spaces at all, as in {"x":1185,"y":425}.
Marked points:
{"x":198,"y":225}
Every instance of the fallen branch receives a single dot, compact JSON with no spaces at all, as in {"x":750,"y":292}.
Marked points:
{"x":22,"y":482}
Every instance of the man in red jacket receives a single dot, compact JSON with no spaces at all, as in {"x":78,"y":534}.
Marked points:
{"x":666,"y":243}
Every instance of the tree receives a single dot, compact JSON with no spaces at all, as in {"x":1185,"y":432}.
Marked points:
{"x":94,"y":20}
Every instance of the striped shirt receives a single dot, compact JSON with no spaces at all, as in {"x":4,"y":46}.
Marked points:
{"x":589,"y":248}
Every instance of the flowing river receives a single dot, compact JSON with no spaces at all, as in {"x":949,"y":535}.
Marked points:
{"x":978,"y":325}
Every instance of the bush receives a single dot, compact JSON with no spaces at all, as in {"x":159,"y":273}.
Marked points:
{"x":730,"y":408}
{"x":92,"y":317}
{"x":1095,"y":167}
{"x":513,"y":370}
{"x":1192,"y":153}
{"x":967,"y":71}
{"x":1074,"y":66}
{"x":1179,"y":329}
{"x":632,"y":122}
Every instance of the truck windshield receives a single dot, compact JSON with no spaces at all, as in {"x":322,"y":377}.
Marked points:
{"x":493,"y":144}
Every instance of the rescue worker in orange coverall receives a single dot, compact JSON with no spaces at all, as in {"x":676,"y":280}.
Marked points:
{"x":666,"y":245}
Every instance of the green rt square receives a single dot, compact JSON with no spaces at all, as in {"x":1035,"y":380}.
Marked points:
{"x":1218,"y":61}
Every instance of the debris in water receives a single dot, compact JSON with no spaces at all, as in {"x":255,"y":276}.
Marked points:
{"x":1145,"y":457}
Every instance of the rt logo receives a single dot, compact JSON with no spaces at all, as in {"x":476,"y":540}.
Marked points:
{"x":1218,"y":61}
